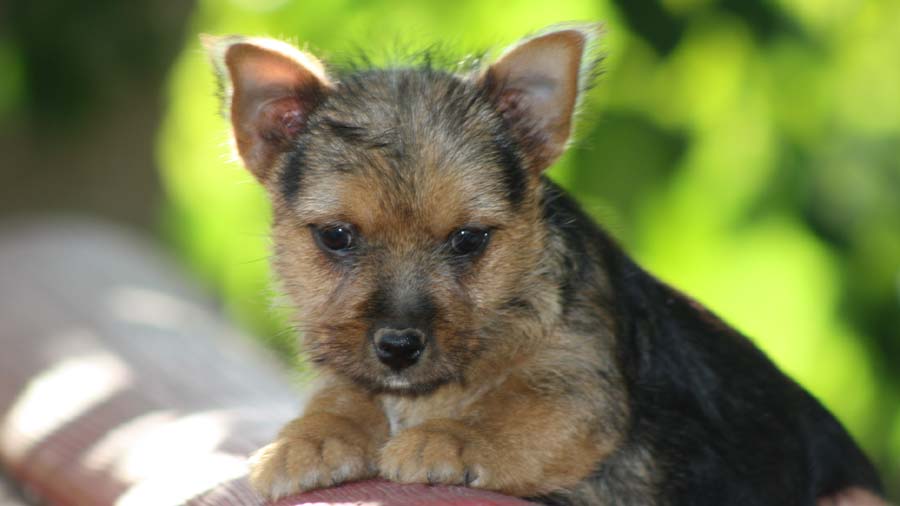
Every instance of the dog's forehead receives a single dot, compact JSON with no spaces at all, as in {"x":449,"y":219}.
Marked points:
{"x":412,"y":117}
{"x":407,"y":147}
{"x":422,"y":198}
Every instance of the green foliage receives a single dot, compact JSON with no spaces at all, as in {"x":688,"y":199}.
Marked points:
{"x":747,"y":152}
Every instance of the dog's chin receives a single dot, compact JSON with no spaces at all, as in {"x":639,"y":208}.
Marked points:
{"x":400,"y":384}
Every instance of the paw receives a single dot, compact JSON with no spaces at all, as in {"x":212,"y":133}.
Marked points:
{"x":315,"y":451}
{"x":435,"y":454}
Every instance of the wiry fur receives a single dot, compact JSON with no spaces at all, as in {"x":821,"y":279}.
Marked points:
{"x":555,"y":368}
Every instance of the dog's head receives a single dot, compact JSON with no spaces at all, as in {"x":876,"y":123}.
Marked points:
{"x":407,"y":217}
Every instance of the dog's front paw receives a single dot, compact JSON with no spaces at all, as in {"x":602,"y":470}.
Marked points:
{"x":437,"y":453}
{"x":315,"y":451}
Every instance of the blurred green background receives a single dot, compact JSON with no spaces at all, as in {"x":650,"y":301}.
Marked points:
{"x":748,"y":152}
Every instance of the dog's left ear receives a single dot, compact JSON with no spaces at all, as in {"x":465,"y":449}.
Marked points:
{"x":536,"y":86}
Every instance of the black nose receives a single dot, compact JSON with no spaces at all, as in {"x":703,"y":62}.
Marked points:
{"x":399,"y":349}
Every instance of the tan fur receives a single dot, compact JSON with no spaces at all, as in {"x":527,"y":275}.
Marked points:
{"x":504,"y":397}
{"x":503,"y":435}
{"x":337,"y":440}
{"x":508,"y":427}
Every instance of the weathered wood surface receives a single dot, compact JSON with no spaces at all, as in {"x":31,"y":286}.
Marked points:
{"x":120,"y":386}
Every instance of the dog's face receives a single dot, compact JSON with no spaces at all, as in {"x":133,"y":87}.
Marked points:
{"x":407,"y":216}
{"x":411,"y":223}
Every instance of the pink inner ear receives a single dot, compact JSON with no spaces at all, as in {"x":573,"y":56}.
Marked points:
{"x":292,"y":121}
{"x":538,"y":89}
{"x":273,"y":93}
{"x":509,"y":103}
{"x":277,"y":120}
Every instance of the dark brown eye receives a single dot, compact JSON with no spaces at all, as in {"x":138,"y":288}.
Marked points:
{"x":334,"y":238}
{"x":468,"y":241}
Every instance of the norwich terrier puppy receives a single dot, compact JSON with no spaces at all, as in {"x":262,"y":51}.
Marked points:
{"x":471,"y":325}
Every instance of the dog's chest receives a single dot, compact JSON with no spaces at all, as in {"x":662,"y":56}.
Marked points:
{"x":451,"y":402}
{"x":403,"y":413}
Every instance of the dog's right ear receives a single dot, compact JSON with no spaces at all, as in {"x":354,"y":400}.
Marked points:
{"x":537,"y":85}
{"x":269,"y":89}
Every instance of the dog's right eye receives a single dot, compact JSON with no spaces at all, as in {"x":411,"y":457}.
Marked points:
{"x":334,"y":238}
{"x":469,"y":241}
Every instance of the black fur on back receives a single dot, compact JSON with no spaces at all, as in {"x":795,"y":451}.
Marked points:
{"x":713,"y":420}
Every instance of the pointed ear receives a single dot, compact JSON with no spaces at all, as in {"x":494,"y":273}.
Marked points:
{"x":536,"y":85}
{"x":269,"y":89}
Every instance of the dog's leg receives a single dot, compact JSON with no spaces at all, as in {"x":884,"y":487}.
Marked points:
{"x":336,"y":440}
{"x":518,"y":444}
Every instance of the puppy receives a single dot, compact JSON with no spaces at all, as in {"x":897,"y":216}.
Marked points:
{"x":471,"y":325}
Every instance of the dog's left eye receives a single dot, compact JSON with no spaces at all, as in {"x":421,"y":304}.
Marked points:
{"x":469,"y":241}
{"x":334,"y":238}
